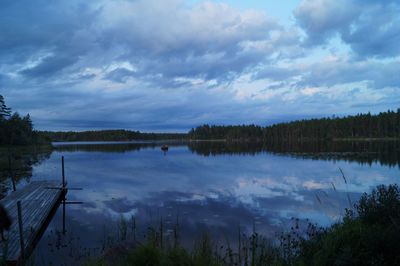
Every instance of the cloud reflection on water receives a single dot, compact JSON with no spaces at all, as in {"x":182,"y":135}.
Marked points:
{"x":214,"y":192}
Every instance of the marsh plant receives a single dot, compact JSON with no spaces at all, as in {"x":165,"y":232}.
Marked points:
{"x":4,"y":251}
{"x":368,"y":234}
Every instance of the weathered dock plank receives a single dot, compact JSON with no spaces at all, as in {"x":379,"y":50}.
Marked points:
{"x":39,"y":201}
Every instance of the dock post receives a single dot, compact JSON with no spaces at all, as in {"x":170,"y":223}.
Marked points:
{"x":63,"y":188}
{"x":11,"y":173}
{"x":63,"y":172}
{"x":63,"y":219}
{"x":21,"y":231}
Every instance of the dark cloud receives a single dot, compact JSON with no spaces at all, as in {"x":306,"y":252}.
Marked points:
{"x":30,"y":29}
{"x":370,"y":28}
{"x":322,"y":19}
{"x":376,"y":30}
{"x":196,"y":43}
{"x":49,"y":66}
{"x":172,"y":41}
{"x":154,"y":65}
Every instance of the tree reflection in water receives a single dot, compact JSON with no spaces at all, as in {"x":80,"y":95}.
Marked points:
{"x":363,"y":152}
{"x":18,"y":162}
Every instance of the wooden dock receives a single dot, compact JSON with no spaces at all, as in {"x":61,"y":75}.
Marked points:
{"x":39,"y":201}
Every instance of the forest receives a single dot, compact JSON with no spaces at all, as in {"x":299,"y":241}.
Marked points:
{"x":14,"y":129}
{"x":18,"y":130}
{"x":108,"y":135}
{"x":243,"y":132}
{"x":385,"y":125}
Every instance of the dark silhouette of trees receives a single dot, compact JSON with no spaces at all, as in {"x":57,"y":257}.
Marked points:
{"x":14,"y":129}
{"x":108,"y":135}
{"x":362,"y":126}
{"x":17,"y":130}
{"x":241,"y":133}
{"x":4,"y":110}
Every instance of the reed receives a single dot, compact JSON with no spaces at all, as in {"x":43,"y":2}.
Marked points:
{"x":367,"y":235}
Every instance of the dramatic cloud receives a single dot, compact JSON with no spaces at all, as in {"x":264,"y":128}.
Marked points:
{"x":370,"y":28}
{"x":376,"y":74}
{"x":170,"y":65}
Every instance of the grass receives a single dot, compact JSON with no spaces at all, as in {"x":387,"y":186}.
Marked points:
{"x":368,"y":235}
{"x":4,"y":252}
{"x":256,"y":250}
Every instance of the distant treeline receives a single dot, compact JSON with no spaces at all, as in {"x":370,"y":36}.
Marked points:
{"x":243,"y":132}
{"x":381,"y":126}
{"x":109,"y":135}
{"x":14,"y":129}
{"x":17,"y":130}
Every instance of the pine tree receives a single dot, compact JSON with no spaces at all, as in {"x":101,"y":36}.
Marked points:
{"x":4,"y":110}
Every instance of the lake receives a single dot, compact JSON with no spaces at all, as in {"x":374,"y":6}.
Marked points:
{"x":201,"y":186}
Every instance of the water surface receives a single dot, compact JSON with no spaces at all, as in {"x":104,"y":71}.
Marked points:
{"x":203,"y":186}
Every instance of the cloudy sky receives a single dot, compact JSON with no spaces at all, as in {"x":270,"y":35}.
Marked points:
{"x":169,"y":65}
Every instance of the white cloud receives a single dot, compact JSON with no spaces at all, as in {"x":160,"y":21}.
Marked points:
{"x":309,"y":91}
{"x":168,"y":64}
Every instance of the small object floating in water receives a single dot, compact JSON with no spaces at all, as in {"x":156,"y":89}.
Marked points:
{"x":164,"y":147}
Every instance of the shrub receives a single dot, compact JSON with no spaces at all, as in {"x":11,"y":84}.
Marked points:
{"x":368,"y":237}
{"x":382,"y":206}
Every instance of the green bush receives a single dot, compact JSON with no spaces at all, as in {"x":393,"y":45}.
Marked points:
{"x":382,"y":206}
{"x":368,"y":237}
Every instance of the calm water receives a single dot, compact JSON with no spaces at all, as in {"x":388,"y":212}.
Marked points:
{"x":202,"y":186}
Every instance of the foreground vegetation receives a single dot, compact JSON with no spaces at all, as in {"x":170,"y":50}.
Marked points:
{"x":367,"y":235}
{"x":14,"y":129}
{"x":21,"y":147}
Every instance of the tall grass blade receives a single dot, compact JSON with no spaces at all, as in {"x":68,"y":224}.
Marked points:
{"x":349,"y":200}
{"x":318,"y":198}
{"x":333,"y":186}
{"x":343,"y":176}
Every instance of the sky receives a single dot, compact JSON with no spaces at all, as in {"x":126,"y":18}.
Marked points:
{"x":170,"y":65}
